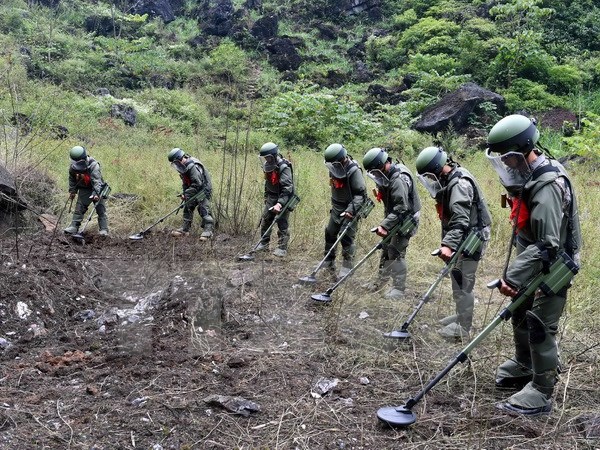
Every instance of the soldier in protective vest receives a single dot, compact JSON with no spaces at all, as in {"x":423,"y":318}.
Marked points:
{"x":396,"y":188}
{"x":85,"y":181}
{"x":194,"y":179}
{"x":461,"y":208}
{"x":348,"y":193}
{"x":279,"y":189}
{"x":546,"y":223}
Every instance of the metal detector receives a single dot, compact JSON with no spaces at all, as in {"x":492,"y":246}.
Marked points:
{"x":291,"y":203}
{"x":403,"y":227}
{"x":470,"y":245}
{"x":200,"y":196}
{"x":362,"y":213}
{"x":103,"y":194}
{"x":560,"y":274}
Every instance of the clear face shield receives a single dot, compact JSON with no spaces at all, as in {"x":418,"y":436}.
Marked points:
{"x":380,"y":179}
{"x":512,"y":168}
{"x":268,"y":163}
{"x":179,"y":167}
{"x":79,"y":165}
{"x":431,"y":183}
{"x":336,"y":169}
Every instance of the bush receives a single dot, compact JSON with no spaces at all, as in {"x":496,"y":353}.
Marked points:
{"x":529,"y":95}
{"x":429,"y":35}
{"x":315,"y":119}
{"x":564,"y":78}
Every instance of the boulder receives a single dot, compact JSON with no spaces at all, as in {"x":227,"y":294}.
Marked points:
{"x":125,"y":112}
{"x":265,"y":27}
{"x":454,"y":109}
{"x":283,"y":54}
{"x":390,"y":96}
{"x":155,"y":8}
{"x":217,"y":19}
{"x":9,"y":200}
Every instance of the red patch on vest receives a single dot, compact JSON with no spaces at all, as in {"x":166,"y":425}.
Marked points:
{"x":519,"y":213}
{"x":440,"y":210}
{"x":337,"y":183}
{"x":379,"y":196}
{"x":272,"y":177}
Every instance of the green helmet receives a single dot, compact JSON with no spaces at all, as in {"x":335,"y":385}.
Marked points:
{"x":335,"y":152}
{"x":78,"y":153}
{"x":375,"y":158}
{"x":269,"y":149}
{"x":175,"y":155}
{"x":514,"y":133}
{"x":431,"y":160}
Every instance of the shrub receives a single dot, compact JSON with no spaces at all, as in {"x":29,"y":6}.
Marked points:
{"x":429,"y":35}
{"x":564,"y":78}
{"x":529,"y":95}
{"x":315,"y":119}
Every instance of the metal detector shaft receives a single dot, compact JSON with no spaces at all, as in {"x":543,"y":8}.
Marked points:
{"x":560,"y":274}
{"x":293,"y":201}
{"x":363,"y":212}
{"x":199,"y":196}
{"x":398,"y":228}
{"x":445,"y":271}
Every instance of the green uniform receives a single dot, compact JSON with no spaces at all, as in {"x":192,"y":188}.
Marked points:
{"x":86,"y":184}
{"x":347,"y":195}
{"x":461,"y":208}
{"x":279,"y":188}
{"x":400,"y":200}
{"x":552,"y":224}
{"x":194,"y":180}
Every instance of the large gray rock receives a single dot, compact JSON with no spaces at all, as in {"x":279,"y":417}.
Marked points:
{"x":283,"y":54}
{"x":125,"y":112}
{"x":454,"y":109}
{"x":155,"y":8}
{"x":9,"y":200}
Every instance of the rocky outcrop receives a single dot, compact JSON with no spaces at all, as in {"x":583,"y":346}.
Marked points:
{"x":454,"y":109}
{"x":124,"y":112}
{"x":155,"y":8}
{"x":216,"y":18}
{"x":283,"y":54}
{"x":265,"y":27}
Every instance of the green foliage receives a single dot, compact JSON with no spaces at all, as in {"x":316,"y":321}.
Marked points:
{"x":314,"y":119}
{"x":174,"y":109}
{"x":529,"y":95}
{"x":564,"y":78}
{"x":585,"y":141}
{"x":429,"y":35}
{"x":404,"y":20}
{"x":438,"y":63}
{"x":227,"y":62}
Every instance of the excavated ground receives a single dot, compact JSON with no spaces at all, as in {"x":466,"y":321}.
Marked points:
{"x":118,"y":344}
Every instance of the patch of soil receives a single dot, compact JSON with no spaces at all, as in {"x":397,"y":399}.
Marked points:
{"x":118,"y":343}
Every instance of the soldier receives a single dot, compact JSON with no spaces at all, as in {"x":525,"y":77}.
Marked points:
{"x":194,"y":178}
{"x":546,"y":222}
{"x":85,"y":181}
{"x":396,"y":188}
{"x":279,"y":189}
{"x":461,"y":208}
{"x":348,"y":193}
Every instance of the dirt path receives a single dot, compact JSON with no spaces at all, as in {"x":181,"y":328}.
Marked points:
{"x":125,"y":340}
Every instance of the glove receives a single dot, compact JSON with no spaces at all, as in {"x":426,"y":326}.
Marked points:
{"x":95,"y":198}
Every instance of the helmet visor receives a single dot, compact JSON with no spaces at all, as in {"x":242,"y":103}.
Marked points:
{"x":380,"y":179}
{"x":511,"y":167}
{"x":79,"y":166}
{"x":268,"y":163}
{"x":336,"y":169}
{"x":431,"y":183}
{"x":179,"y":167}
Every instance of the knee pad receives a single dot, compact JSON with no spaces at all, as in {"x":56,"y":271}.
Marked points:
{"x":537,"y":328}
{"x":457,"y":276}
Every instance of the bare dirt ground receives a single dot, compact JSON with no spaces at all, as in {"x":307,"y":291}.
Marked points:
{"x":118,"y":344}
